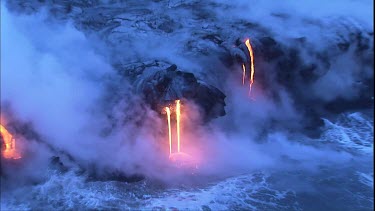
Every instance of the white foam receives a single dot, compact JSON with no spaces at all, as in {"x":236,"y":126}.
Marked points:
{"x":353,"y":132}
{"x":247,"y":192}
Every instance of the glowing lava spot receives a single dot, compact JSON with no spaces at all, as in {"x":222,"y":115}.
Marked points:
{"x":252,"y":70}
{"x":10,"y":151}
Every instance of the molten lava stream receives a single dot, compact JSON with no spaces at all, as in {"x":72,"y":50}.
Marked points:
{"x":179,"y":159}
{"x":178,"y":116}
{"x":168,"y":110}
{"x":252,"y":70}
{"x":10,"y":151}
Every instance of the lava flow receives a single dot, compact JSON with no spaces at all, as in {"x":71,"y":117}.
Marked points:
{"x":10,"y":151}
{"x":177,"y":110}
{"x":252,"y":70}
{"x":179,"y":158}
{"x":178,"y":116}
{"x":168,"y":110}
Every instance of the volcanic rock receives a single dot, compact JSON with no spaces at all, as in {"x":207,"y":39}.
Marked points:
{"x":161,"y":83}
{"x":108,"y":174}
{"x":57,"y":164}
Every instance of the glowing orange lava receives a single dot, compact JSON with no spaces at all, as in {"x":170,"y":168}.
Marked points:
{"x":10,"y":151}
{"x":178,"y":116}
{"x":177,"y":157}
{"x":252,"y":70}
{"x":177,"y":110}
{"x":168,"y":110}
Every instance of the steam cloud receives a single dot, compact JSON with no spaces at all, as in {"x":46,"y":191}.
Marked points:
{"x":53,"y":78}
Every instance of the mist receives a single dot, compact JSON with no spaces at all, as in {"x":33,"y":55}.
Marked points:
{"x":53,"y":78}
{"x":60,"y":80}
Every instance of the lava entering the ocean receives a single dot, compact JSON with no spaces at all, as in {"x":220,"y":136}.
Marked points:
{"x":178,"y":118}
{"x":168,"y":110}
{"x":177,"y":110}
{"x":176,"y":155}
{"x":10,"y":151}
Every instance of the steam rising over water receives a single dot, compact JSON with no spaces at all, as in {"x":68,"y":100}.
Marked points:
{"x":67,"y":91}
{"x":295,"y":189}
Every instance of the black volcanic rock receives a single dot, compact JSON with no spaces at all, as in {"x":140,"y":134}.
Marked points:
{"x":115,"y":176}
{"x":57,"y":164}
{"x":270,"y":49}
{"x":161,"y":83}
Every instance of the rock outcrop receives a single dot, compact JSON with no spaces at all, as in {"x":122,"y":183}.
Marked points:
{"x":161,"y":83}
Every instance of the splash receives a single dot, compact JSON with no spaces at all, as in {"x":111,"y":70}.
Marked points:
{"x":252,"y":69}
{"x":10,"y":151}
